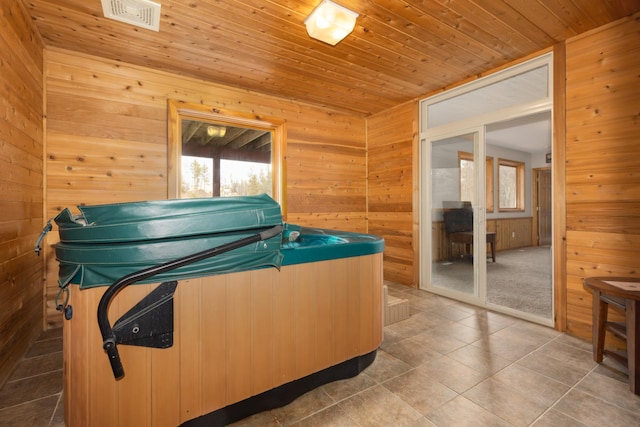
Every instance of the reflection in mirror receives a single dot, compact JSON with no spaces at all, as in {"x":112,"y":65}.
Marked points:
{"x":215,"y":153}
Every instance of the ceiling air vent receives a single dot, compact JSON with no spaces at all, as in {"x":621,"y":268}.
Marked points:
{"x":143,"y":13}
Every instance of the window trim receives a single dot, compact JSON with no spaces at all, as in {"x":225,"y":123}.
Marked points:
{"x":178,"y":110}
{"x":520,"y":190}
{"x":489,"y":191}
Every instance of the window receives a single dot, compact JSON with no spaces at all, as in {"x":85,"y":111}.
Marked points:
{"x":214,"y":153}
{"x":511,"y":184}
{"x":465,"y":161}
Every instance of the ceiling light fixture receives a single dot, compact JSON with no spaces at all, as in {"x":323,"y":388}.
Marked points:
{"x":330,"y":22}
{"x":216,"y":131}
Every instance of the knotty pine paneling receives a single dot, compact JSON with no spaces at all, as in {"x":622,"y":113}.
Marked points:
{"x":505,"y":240}
{"x":392,"y":173}
{"x":21,"y":130}
{"x":107,"y":142}
{"x":602,"y":168}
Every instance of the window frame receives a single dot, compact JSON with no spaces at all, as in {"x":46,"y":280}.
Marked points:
{"x":178,"y":110}
{"x":520,"y":185}
{"x":489,"y":191}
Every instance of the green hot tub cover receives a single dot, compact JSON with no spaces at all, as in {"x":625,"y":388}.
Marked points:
{"x":106,"y":242}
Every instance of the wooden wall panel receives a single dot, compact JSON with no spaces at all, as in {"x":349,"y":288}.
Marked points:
{"x":236,"y":335}
{"x":21,"y":130}
{"x":392,"y":189}
{"x":602,"y":168}
{"x":505,"y":239}
{"x":107,"y":142}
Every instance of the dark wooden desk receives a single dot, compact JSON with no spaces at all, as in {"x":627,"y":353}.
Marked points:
{"x":606,"y":292}
{"x":466,"y":238}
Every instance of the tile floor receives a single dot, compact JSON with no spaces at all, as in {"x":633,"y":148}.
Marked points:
{"x":32,"y":396}
{"x":449,"y":364}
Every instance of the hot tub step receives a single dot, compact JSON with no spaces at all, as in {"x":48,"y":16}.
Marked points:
{"x":396,"y":309}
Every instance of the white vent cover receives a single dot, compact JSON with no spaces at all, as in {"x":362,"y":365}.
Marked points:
{"x":143,"y":13}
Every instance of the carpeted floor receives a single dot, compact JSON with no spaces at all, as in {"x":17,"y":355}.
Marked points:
{"x":519,"y":279}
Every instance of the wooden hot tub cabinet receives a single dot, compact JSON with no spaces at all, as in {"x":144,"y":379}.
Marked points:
{"x":236,"y":336}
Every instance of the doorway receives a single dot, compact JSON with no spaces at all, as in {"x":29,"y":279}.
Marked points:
{"x":498,"y":132}
{"x":542,"y":208}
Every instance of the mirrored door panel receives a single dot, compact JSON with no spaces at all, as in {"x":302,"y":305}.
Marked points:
{"x":453,"y":187}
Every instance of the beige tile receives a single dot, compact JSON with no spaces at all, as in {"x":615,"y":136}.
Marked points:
{"x":437,"y":340}
{"x":332,"y":416}
{"x":413,"y":352}
{"x":460,"y":332}
{"x":452,"y":312}
{"x":305,"y":405}
{"x":32,"y":388}
{"x":44,"y":347}
{"x":422,"y":392}
{"x":461,"y":412}
{"x":50,"y":334}
{"x":553,"y":418}
{"x":573,"y":341}
{"x":33,"y":413}
{"x":386,"y":367}
{"x":37,"y":365}
{"x":378,"y":406}
{"x":488,"y":321}
{"x":506,"y":402}
{"x":419,"y":304}
{"x":595,"y":412}
{"x":569,"y":354}
{"x":58,"y":415}
{"x":613,"y":369}
{"x":451,"y":373}
{"x":530,"y":333}
{"x":261,"y":419}
{"x":613,"y":391}
{"x":342,"y":389}
{"x":414,"y":325}
{"x":510,"y":348}
{"x":546,"y":364}
{"x":535,"y":386}
{"x":479,"y":359}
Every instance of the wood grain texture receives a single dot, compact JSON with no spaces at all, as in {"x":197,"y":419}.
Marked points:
{"x":236,"y":336}
{"x":602,"y":170}
{"x":21,"y":184}
{"x":397,"y":52}
{"x":392,"y":213}
{"x":107,"y":142}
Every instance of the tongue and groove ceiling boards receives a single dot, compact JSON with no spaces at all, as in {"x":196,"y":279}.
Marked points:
{"x":398,"y":51}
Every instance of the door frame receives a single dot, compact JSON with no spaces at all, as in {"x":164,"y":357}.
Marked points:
{"x":478,"y":297}
{"x":459,"y":127}
{"x":535,"y":226}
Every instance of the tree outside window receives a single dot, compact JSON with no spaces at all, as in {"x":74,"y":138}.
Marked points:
{"x":511,"y":185}
{"x":465,"y":162}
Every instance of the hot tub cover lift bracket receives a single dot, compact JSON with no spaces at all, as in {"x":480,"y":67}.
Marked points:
{"x":150,"y":322}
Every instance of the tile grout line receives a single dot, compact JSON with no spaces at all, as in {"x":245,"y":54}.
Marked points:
{"x":55,"y":409}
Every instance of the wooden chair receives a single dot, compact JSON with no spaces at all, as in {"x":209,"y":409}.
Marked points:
{"x":458,"y":224}
{"x":624,"y":293}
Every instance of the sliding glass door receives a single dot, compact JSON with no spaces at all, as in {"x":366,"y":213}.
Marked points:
{"x":479,"y":145}
{"x":453,"y":214}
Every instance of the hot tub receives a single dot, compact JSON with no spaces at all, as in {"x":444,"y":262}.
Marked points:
{"x":304,"y":310}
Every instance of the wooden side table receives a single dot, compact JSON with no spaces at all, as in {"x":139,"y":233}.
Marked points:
{"x":623,"y":292}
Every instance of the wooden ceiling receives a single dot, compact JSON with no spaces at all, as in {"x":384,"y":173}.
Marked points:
{"x":399,"y":50}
